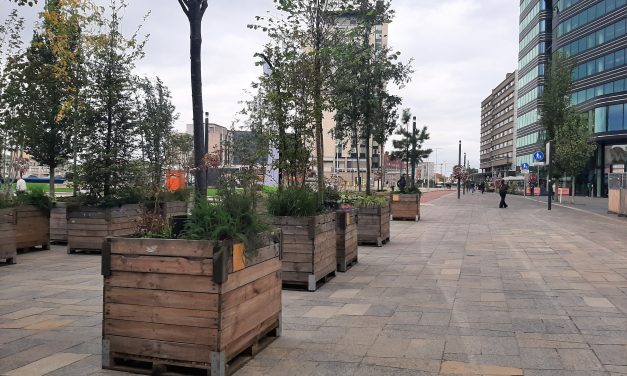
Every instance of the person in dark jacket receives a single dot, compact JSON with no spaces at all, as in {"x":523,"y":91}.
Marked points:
{"x":503,"y":193}
{"x":402,"y":183}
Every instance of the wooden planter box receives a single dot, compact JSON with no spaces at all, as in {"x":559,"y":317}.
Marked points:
{"x":87,"y":227}
{"x":58,"y":223}
{"x":613,"y":202}
{"x":169,"y":209}
{"x":374,"y":225}
{"x":346,"y":238}
{"x":308,"y":248}
{"x":405,"y":207}
{"x":32,"y":228}
{"x":8,"y":250}
{"x":171,"y":303}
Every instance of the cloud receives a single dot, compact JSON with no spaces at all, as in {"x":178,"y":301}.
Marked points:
{"x":461,"y":49}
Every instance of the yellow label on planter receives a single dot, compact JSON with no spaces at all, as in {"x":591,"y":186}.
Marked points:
{"x":348,"y":218}
{"x":396,"y":198}
{"x":239,"y":259}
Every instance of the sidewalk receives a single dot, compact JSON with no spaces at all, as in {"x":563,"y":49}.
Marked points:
{"x":469,"y":290}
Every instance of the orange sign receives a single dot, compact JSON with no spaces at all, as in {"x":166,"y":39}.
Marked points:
{"x":175,"y":180}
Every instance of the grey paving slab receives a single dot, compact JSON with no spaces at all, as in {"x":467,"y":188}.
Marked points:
{"x":469,"y":290}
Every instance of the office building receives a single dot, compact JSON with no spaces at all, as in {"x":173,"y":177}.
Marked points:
{"x":594,"y":33}
{"x":535,"y":38}
{"x":344,"y":158}
{"x":498,"y":119}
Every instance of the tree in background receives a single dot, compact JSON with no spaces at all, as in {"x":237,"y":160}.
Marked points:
{"x":156,"y":119}
{"x":563,"y":123}
{"x":111,"y":119}
{"x":47,"y":85}
{"x":180,"y":153}
{"x":556,"y":105}
{"x":367,"y":98}
{"x":409,"y":147}
{"x":10,"y":137}
{"x":573,"y":148}
{"x":195,"y":10}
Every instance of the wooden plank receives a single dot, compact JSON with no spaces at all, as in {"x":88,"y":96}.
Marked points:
{"x":248,"y":315}
{"x":236,"y":346}
{"x":167,"y":282}
{"x":249,"y":291}
{"x":162,"y":247}
{"x":298,"y":267}
{"x":161,"y":315}
{"x":160,"y":349}
{"x":160,"y":332}
{"x":250,"y":274}
{"x":161,"y":298}
{"x":164,"y":265}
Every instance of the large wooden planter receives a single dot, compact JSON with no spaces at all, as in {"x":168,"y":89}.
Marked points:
{"x":613,"y":202}
{"x":405,"y":207}
{"x":169,"y":209}
{"x":58,"y":223}
{"x":87,"y":227}
{"x":374,"y":225}
{"x":623,"y":203}
{"x":32,"y":227}
{"x":174,"y":303}
{"x":308,"y":248}
{"x":8,"y":250}
{"x":346,"y":238}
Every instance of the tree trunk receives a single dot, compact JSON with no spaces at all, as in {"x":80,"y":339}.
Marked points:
{"x":318,"y":102}
{"x":195,"y":24}
{"x":368,"y":166}
{"x":358,"y":167}
{"x":572,"y":192}
{"x":51,"y":182}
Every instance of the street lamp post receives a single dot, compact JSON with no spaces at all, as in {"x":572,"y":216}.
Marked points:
{"x":459,"y":163}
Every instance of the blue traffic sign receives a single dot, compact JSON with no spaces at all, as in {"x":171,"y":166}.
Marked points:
{"x":538,"y":156}
{"x":525,"y":166}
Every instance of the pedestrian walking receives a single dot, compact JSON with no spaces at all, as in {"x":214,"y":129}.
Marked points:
{"x":482,"y":187}
{"x":402,"y":183}
{"x":503,"y":193}
{"x":21,"y":187}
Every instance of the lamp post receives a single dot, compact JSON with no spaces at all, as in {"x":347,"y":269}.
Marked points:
{"x":459,"y":163}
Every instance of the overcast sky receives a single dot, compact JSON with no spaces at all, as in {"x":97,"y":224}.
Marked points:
{"x":461,"y":49}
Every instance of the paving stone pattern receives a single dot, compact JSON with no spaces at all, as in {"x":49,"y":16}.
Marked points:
{"x":469,"y":290}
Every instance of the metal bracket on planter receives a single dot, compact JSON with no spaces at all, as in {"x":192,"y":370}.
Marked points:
{"x":106,"y":258}
{"x":220,"y":271}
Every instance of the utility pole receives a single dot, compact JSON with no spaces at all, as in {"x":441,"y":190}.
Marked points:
{"x":549,"y":187}
{"x":459,"y":163}
{"x":206,"y":147}
{"x":464,"y":170}
{"x":413,"y":150}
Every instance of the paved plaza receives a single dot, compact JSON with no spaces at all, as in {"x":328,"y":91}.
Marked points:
{"x":469,"y":290}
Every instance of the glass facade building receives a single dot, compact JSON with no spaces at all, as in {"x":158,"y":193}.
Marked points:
{"x":593,"y":32}
{"x":535,"y":44}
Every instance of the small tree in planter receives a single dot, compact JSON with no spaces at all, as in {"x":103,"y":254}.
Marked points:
{"x":309,"y":248}
{"x":374,"y":219}
{"x":200,"y":300}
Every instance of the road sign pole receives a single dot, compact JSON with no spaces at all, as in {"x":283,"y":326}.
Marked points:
{"x":459,"y":177}
{"x":548,"y":175}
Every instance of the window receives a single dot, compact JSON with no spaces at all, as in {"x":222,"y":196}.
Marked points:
{"x":600,"y":119}
{"x":615,"y":118}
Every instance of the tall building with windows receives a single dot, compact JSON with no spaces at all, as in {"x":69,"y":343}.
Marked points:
{"x":498,"y":119}
{"x":594,"y":33}
{"x":535,"y":38}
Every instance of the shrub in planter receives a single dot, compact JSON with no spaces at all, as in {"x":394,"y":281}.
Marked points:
{"x":169,"y":204}
{"x":308,"y":230}
{"x":199,"y":301}
{"x":406,"y":205}
{"x":374,"y":219}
